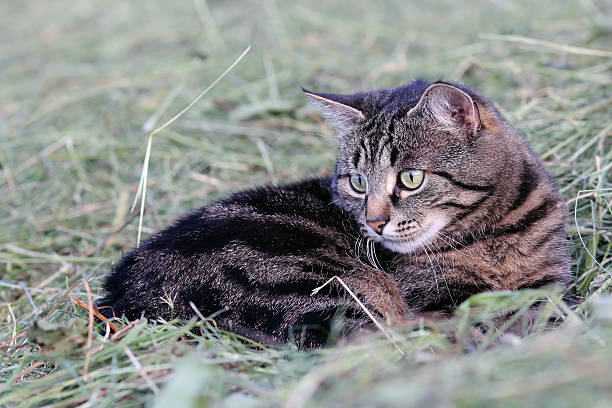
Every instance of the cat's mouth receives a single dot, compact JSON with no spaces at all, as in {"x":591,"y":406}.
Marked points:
{"x":408,"y":241}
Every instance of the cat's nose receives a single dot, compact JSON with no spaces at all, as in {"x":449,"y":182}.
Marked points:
{"x":378,"y":224}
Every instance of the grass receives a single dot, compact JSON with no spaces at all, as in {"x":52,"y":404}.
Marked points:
{"x":83,"y":84}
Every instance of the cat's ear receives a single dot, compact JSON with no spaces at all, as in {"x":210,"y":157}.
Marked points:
{"x":453,"y":109}
{"x":342,"y":111}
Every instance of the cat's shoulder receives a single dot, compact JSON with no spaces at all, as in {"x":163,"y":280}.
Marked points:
{"x":314,"y":190}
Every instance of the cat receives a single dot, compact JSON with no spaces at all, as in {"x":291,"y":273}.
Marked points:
{"x":434,"y":198}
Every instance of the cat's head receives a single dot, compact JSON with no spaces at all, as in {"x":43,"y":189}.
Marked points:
{"x":418,"y":163}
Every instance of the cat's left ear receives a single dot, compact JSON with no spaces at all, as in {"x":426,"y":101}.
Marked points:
{"x":453,"y":109}
{"x":342,"y":111}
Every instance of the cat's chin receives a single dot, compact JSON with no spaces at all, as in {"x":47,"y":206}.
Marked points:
{"x":405,"y":246}
{"x":408,"y":245}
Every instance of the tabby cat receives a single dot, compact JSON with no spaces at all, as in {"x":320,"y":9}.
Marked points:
{"x":435,"y":197}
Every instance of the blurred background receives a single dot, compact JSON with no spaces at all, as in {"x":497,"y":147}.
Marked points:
{"x":82,"y":84}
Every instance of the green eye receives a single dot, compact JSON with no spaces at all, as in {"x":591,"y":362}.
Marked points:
{"x":358,"y":183}
{"x":412,"y":179}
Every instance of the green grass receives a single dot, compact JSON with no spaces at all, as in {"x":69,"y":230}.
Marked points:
{"x":83,"y":83}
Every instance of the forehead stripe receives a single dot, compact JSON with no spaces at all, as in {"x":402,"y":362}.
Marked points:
{"x":363,"y":146}
{"x":356,"y":157}
{"x":381,"y":150}
{"x":393,"y":157}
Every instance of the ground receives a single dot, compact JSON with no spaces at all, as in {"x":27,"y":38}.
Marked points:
{"x":83,"y":84}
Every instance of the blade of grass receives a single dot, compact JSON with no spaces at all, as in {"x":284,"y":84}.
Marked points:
{"x":548,"y":44}
{"x":141,"y":191}
{"x":365,"y":309}
{"x":578,"y":194}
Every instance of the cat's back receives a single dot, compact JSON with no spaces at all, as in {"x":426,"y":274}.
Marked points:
{"x":267,"y":243}
{"x":271,"y":215}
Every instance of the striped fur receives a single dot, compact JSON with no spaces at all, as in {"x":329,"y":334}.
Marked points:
{"x":486,"y":217}
{"x":499,"y":220}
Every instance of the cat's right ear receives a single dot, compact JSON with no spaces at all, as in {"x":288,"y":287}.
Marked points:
{"x":342,"y":111}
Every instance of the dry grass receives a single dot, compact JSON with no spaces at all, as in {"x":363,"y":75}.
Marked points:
{"x":83,"y":84}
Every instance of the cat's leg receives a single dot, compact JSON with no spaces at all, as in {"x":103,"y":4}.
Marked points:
{"x":377,"y":289}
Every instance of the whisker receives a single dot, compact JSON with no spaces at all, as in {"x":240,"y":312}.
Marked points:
{"x":433,"y":269}
{"x":471,"y":251}
{"x":376,"y":258}
{"x":334,"y":201}
{"x":370,"y":246}
{"x":442,"y":236}
{"x":357,"y":248}
{"x":443,"y":275}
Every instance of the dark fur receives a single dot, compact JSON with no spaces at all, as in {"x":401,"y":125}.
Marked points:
{"x":260,"y":253}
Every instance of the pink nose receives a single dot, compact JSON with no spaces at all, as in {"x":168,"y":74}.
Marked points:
{"x":378,"y":224}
